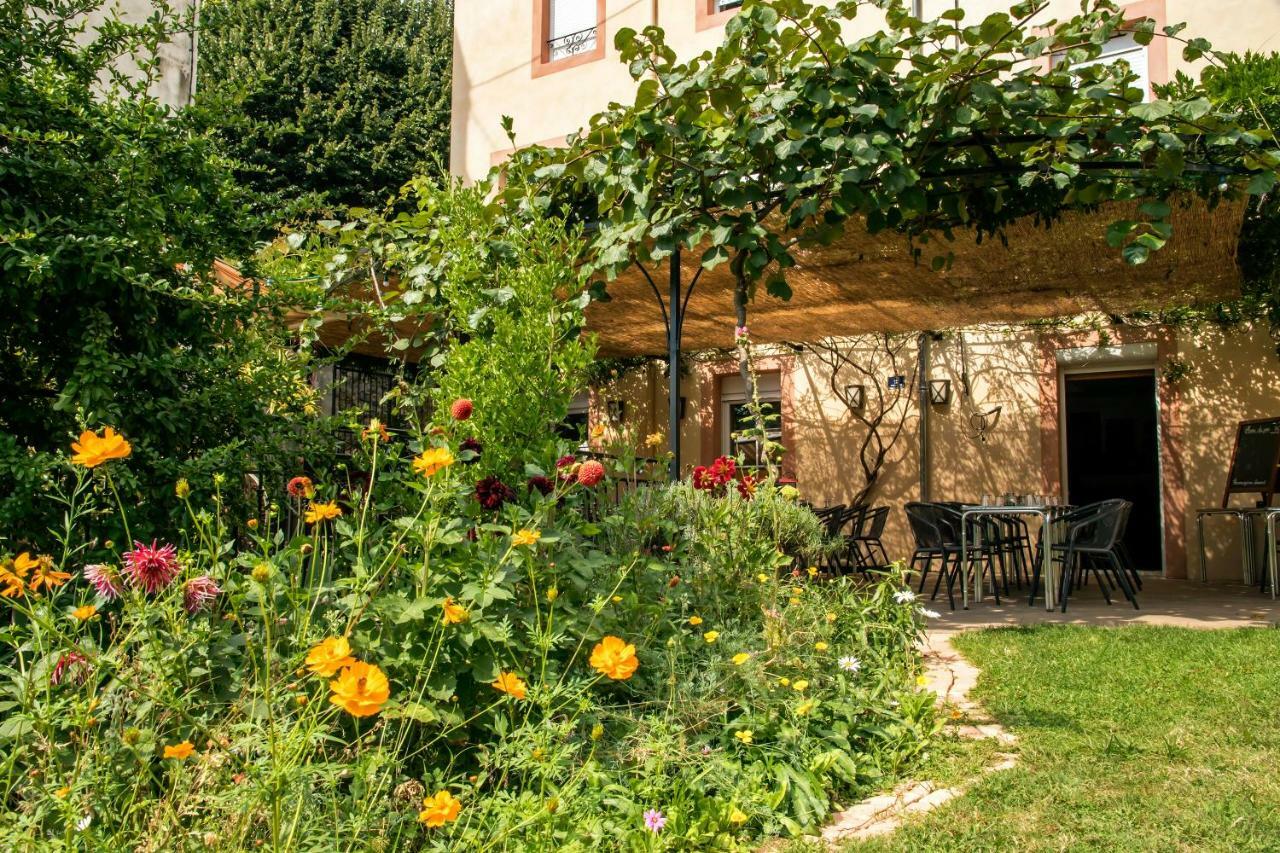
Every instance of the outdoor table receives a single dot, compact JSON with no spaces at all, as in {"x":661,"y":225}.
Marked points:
{"x":1046,"y":515}
{"x":1246,"y":541}
{"x":1268,"y":516}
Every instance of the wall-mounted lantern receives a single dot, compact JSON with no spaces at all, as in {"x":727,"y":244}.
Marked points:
{"x":855,"y":397}
{"x":940,"y":391}
{"x":617,"y":410}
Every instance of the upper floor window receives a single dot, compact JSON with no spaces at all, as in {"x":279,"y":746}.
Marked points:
{"x":713,"y":13}
{"x":1123,"y":48}
{"x":569,"y":32}
{"x":726,"y":5}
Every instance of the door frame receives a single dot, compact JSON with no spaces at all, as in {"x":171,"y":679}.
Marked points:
{"x":1117,"y":363}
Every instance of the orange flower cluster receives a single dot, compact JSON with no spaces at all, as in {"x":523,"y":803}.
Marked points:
{"x":615,"y":658}
{"x":361,"y":689}
{"x":28,"y":574}
{"x":92,"y":449}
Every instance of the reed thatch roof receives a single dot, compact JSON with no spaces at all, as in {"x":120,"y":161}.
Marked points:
{"x":864,"y":283}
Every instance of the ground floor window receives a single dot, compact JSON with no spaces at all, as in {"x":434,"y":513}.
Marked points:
{"x":738,"y":431}
{"x":575,"y":425}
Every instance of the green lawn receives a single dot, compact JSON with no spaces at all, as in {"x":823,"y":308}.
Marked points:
{"x":1130,"y":739}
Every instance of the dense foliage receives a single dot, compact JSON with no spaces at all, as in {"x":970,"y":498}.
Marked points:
{"x":329,"y":103}
{"x":451,"y":653}
{"x":112,"y":212}
{"x":791,"y":130}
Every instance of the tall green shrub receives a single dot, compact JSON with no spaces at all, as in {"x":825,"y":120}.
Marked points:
{"x":339,"y":102}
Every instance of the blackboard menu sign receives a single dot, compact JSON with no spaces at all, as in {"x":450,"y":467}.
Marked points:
{"x":1256,"y":460}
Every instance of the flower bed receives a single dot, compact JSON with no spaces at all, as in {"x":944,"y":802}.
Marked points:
{"x":448,"y":661}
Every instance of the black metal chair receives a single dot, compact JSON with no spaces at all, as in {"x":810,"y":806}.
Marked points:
{"x":863,"y":548}
{"x":936,"y":530}
{"x":1092,"y":543}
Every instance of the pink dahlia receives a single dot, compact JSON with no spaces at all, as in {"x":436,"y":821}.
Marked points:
{"x":461,"y":409}
{"x":105,"y":580}
{"x":590,"y":473}
{"x":151,"y":567}
{"x":198,"y":592}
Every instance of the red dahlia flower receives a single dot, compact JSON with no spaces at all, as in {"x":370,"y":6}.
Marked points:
{"x":492,"y":493}
{"x":541,"y":484}
{"x":71,"y":666}
{"x":151,"y":567}
{"x":300,"y":487}
{"x":461,"y":409}
{"x":591,"y":473}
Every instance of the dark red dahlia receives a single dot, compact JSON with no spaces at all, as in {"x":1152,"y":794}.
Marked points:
{"x":461,"y":409}
{"x":71,"y":666}
{"x":566,"y":460}
{"x":492,"y":493}
{"x":541,"y":484}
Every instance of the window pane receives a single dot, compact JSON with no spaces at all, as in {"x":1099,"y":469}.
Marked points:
{"x":722,"y":5}
{"x":573,"y":27}
{"x":1122,"y":49}
{"x":744,"y":441}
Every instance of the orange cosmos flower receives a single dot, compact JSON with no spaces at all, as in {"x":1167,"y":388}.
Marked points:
{"x":615,"y":658}
{"x":93,"y":449}
{"x":511,"y":684}
{"x":454,"y":613}
{"x":329,"y":656}
{"x":43,"y":573}
{"x":84,"y":612}
{"x":439,"y":809}
{"x":525,"y":537}
{"x":180,"y":751}
{"x":321,"y":511}
{"x":431,"y":460}
{"x":361,"y":689}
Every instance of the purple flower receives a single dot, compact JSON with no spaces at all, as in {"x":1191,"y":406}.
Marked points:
{"x":152,"y":567}
{"x":104,"y":579}
{"x":654,"y":821}
{"x":741,"y":332}
{"x":198,"y":592}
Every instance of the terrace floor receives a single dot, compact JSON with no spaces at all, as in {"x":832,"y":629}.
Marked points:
{"x":1188,"y":604}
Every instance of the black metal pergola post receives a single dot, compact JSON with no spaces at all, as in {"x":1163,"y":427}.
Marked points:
{"x":673,"y":310}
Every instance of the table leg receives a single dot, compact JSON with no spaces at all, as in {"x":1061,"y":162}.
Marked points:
{"x":1271,"y":551}
{"x":1246,"y":547}
{"x":1204,"y":568}
{"x":964,"y":564}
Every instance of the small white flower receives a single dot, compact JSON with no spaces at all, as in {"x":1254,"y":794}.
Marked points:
{"x":850,"y":664}
{"x":929,"y":614}
{"x":83,"y":823}
{"x":904,"y":596}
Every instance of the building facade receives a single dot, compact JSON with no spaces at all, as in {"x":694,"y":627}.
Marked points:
{"x":1145,"y":413}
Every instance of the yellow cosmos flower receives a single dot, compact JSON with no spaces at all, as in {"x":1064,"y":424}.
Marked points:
{"x":695,"y":621}
{"x":615,"y":657}
{"x":784,"y":681}
{"x":361,"y":689}
{"x":92,"y":449}
{"x":553,"y":593}
{"x":322,"y":511}
{"x":821,"y":646}
{"x":432,"y":460}
{"x":737,"y":815}
{"x":740,"y":658}
{"x":654,"y":439}
{"x":795,"y":600}
{"x":617,"y":599}
{"x":454,"y":614}
{"x":805,"y":707}
{"x":745,"y":735}
{"x":813,"y":571}
{"x":525,"y":537}
{"x":182,"y":489}
{"x":800,"y":686}
{"x":711,"y":636}
{"x":762,"y":577}
{"x":511,"y":684}
{"x":439,"y":809}
{"x":597,"y":731}
{"x":329,"y":656}
{"x":831,"y":617}
{"x":83,"y":612}
{"x":62,"y":792}
{"x":921,"y":680}
{"x":180,"y":751}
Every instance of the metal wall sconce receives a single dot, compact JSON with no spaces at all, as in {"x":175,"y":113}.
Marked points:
{"x":617,"y":410}
{"x":855,"y":397}
{"x":940,"y":391}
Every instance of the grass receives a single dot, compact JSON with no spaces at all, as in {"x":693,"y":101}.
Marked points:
{"x":1130,"y":739}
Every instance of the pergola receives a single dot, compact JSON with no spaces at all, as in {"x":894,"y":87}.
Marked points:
{"x":873,"y":283}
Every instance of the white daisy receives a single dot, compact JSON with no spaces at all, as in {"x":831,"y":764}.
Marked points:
{"x":904,"y":596}
{"x":83,"y":823}
{"x":929,"y":614}
{"x":849,"y":663}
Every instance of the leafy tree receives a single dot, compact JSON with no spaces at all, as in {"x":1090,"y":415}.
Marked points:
{"x":112,"y":213}
{"x":332,"y":101}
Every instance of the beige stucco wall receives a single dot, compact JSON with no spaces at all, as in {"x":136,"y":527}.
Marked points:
{"x":493,"y":59}
{"x":174,"y":80}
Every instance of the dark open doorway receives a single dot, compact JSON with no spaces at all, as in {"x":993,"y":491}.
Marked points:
{"x":1113,"y":451}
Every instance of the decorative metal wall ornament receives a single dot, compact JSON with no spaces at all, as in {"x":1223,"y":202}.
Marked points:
{"x":571,"y":44}
{"x":940,"y":391}
{"x":617,"y":410}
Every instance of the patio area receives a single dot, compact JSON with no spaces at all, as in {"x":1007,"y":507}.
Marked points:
{"x":1179,"y":603}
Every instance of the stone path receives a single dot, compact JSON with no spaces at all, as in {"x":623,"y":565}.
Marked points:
{"x":951,"y":677}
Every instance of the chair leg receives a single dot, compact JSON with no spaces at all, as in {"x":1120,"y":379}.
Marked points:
{"x":1068,"y":566}
{"x":951,"y":578}
{"x":1102,"y":579}
{"x":928,"y":564}
{"x":1035,"y":581}
{"x":1125,"y":586}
